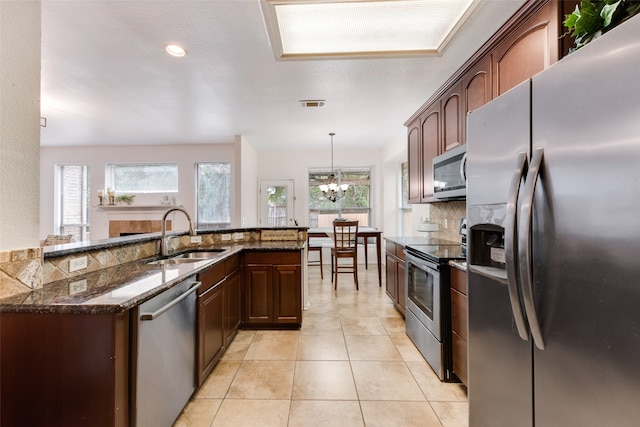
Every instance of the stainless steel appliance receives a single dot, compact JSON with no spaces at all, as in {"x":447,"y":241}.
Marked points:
{"x":449,"y":175}
{"x":428,"y":306}
{"x":165,"y":369}
{"x":554,"y":237}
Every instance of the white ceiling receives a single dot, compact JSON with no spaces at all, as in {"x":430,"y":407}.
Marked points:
{"x":106,"y":79}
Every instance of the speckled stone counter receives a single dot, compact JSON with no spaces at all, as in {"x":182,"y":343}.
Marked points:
{"x":460,"y":265}
{"x":121,"y":287}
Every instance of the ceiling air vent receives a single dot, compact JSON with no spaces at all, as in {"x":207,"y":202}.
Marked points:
{"x":312,"y":103}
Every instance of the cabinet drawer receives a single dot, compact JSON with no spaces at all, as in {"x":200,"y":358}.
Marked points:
{"x":459,"y":357}
{"x":231,"y":264}
{"x":390,"y":247}
{"x":211,"y":276}
{"x":275,"y":257}
{"x":459,"y":313}
{"x":400,"y":252}
{"x":459,"y":280}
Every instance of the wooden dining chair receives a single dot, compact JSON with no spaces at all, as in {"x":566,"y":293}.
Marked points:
{"x":345,"y":245}
{"x":315,"y":246}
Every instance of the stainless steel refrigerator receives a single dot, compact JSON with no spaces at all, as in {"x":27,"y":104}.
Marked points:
{"x":553,"y":207}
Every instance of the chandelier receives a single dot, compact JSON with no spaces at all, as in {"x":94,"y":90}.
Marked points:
{"x":333,"y":190}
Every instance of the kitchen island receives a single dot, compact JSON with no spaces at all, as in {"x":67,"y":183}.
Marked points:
{"x":70,"y":349}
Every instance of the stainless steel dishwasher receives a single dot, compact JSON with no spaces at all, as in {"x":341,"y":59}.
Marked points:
{"x":165,"y":369}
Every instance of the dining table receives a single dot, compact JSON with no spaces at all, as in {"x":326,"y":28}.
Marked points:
{"x":365,"y":233}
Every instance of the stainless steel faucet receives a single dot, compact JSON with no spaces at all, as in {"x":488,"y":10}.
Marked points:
{"x":164,"y":242}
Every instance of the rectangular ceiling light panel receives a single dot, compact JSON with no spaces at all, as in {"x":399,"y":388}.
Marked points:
{"x":370,"y":28}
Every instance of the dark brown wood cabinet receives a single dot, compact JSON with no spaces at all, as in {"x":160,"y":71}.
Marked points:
{"x":527,"y":44}
{"x":395,"y":274}
{"x":528,"y":49}
{"x":272,"y":289}
{"x":459,"y":323}
{"x":452,"y":120}
{"x":218,"y":313}
{"x":64,"y":369}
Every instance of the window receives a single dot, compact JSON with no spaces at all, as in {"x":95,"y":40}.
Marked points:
{"x":354,"y":205}
{"x":74,"y":201}
{"x":143,"y":177}
{"x":213,"y":187}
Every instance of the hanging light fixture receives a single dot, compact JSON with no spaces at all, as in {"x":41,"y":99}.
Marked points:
{"x":333,"y":190}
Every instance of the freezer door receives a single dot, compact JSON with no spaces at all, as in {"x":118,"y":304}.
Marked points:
{"x":586,"y":239}
{"x":497,"y":133}
{"x":500,"y":360}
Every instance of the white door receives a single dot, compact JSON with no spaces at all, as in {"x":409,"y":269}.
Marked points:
{"x":276,"y":203}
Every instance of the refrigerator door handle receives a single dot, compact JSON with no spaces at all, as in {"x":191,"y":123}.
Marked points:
{"x":463,"y":168}
{"x":510,"y":247}
{"x":524,"y":247}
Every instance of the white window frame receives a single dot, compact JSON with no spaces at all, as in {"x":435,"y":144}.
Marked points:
{"x":110,"y":178}
{"x":84,"y":224}
{"x":202,"y":225}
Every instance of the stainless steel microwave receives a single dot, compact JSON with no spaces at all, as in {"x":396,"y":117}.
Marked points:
{"x":449,"y":175}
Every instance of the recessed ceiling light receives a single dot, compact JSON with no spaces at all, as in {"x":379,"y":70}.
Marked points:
{"x":367,"y":28}
{"x":175,"y":50}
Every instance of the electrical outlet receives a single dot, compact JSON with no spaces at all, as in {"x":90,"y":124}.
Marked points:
{"x":446,"y":223}
{"x":77,"y":286}
{"x":196,"y":239}
{"x":226,"y":237}
{"x":76,"y":264}
{"x":238,"y":236}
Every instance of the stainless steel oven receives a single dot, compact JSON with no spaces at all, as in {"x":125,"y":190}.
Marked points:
{"x":424,"y":311}
{"x":428,"y":305}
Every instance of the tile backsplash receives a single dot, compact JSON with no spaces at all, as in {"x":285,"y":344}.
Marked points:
{"x":447,"y":216}
{"x":20,"y":271}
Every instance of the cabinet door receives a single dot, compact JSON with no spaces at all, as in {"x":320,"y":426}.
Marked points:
{"x":529,"y":49}
{"x":287,"y":297}
{"x":452,"y":118}
{"x":476,"y":89}
{"x":211,"y":330}
{"x":429,"y":148}
{"x":232,"y":305}
{"x":401,"y":281}
{"x":258,"y":288}
{"x":392,"y":285}
{"x":415,"y":171}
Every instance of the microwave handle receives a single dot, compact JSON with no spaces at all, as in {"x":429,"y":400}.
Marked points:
{"x":463,"y":168}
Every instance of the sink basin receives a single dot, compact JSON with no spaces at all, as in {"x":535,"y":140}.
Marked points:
{"x":173,"y":261}
{"x":199,"y":254}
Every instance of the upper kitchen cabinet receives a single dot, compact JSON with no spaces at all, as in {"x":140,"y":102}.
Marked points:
{"x":415,"y":181}
{"x":476,"y":89}
{"x":452,"y":120}
{"x":526,"y":51}
{"x":525,"y":45}
{"x":424,"y":143}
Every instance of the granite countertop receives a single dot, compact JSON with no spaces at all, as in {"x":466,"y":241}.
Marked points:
{"x":119,"y":288}
{"x":460,"y":265}
{"x":408,"y":240}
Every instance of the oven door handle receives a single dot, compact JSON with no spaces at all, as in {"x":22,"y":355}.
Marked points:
{"x":510,"y":245}
{"x":524,"y":247}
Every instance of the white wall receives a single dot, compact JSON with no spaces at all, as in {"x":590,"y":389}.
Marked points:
{"x":248,"y":215}
{"x":98,"y":157}
{"x":19,"y":123}
{"x":295,"y":165}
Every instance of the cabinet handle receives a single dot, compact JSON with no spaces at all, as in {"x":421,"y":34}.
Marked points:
{"x":159,"y":312}
{"x":510,"y":247}
{"x":524,"y":247}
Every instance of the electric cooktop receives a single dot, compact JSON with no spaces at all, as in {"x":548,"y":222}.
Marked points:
{"x":437,"y":250}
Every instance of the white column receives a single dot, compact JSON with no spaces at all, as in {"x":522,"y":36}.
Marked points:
{"x":19,"y":124}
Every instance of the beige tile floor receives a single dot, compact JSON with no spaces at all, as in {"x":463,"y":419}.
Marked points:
{"x":351,"y":364}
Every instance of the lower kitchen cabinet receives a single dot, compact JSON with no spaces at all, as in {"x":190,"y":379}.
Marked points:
{"x":459,"y":323}
{"x":395,"y":267}
{"x":272,"y":289}
{"x":68,"y":369}
{"x":218,"y":313}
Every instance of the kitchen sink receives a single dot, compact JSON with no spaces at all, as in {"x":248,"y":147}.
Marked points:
{"x":199,"y":254}
{"x":191,"y":256}
{"x":173,"y":261}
